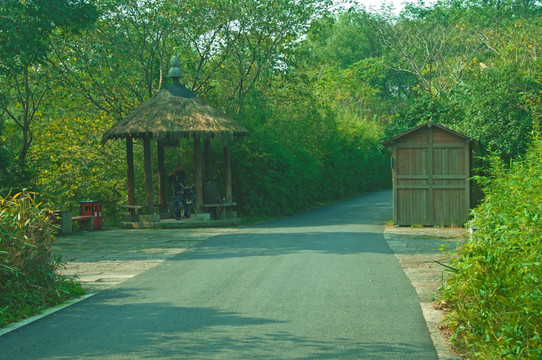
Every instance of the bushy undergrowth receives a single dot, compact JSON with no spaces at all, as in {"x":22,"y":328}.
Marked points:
{"x":304,"y":156}
{"x":28,"y":282}
{"x":495,"y":297}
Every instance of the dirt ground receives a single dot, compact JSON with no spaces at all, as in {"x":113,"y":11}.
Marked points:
{"x":102,"y":259}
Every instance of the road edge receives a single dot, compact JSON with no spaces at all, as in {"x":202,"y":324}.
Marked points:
{"x":19,"y":324}
{"x":433,"y":317}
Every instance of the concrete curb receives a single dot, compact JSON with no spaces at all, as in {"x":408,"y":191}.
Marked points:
{"x":14,"y":326}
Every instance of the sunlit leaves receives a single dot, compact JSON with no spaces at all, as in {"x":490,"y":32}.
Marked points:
{"x":72,"y":164}
{"x":495,"y":296}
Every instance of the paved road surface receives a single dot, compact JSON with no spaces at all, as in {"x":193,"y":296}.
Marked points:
{"x":321,"y":285}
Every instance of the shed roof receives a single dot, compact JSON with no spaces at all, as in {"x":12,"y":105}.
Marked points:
{"x":172,"y":113}
{"x":428,"y":124}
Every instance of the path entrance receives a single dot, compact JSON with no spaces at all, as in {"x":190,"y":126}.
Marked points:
{"x":321,"y":285}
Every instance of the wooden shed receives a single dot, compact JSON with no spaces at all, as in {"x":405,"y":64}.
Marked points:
{"x":431,"y":176}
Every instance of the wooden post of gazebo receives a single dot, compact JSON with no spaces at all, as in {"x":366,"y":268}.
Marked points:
{"x":198,"y":173}
{"x":149,"y":195}
{"x":130,"y":178}
{"x":161,"y":177}
{"x":227,"y":171}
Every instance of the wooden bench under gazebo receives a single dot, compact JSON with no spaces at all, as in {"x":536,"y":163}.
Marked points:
{"x":172,"y":114}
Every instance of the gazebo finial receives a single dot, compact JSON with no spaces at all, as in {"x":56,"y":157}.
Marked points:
{"x":175,"y":71}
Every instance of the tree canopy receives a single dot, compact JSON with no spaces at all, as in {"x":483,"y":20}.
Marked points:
{"x":318,"y":89}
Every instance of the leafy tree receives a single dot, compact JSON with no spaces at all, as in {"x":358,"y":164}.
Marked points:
{"x":118,"y":63}
{"x":27,"y":29}
{"x":24,"y":92}
{"x":496,"y":113}
{"x":479,"y":76}
{"x":345,"y":38}
{"x":6,"y":158}
{"x":265,"y":33}
{"x":72,"y":165}
{"x":429,"y":45}
{"x":422,"y":109}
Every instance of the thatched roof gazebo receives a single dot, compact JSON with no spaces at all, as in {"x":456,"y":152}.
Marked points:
{"x":168,"y":116}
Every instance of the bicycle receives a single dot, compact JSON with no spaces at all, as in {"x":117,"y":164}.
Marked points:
{"x":182,"y":201}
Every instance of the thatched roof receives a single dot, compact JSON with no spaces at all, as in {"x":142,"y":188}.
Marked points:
{"x":173,"y":113}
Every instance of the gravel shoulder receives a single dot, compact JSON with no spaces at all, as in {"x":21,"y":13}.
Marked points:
{"x":417,"y":250}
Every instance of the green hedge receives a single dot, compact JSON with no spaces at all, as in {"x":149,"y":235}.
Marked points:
{"x":495,"y":294}
{"x":290,"y":166}
{"x":28,"y":282}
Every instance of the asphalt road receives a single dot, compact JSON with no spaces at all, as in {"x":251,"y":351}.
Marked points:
{"x":321,"y":285}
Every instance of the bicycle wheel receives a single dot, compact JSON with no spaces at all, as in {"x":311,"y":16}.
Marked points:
{"x":176,"y":209}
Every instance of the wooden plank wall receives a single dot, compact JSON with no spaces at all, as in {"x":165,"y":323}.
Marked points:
{"x":431,"y":178}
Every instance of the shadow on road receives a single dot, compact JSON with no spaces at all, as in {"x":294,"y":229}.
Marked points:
{"x":150,"y":330}
{"x":275,"y":244}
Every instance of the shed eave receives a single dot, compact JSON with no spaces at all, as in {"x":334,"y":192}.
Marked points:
{"x":391,"y":141}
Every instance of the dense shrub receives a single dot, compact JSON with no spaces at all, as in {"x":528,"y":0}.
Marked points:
{"x":28,"y":282}
{"x":495,"y":295}
{"x":76,"y":167}
{"x":298,"y":158}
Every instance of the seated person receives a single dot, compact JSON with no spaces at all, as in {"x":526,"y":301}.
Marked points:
{"x":211,"y":195}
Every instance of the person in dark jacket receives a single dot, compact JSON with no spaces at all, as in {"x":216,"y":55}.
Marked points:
{"x":178,"y":178}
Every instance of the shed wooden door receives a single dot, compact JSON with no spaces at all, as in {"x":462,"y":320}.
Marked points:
{"x":431,"y":175}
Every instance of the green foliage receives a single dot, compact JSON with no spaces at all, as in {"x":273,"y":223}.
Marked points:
{"x":76,"y":167}
{"x":497,"y":114}
{"x":495,"y":296}
{"x":27,"y":31}
{"x":300,"y":154}
{"x":422,"y":109}
{"x":28,"y":282}
{"x":27,"y":28}
{"x":344,"y":39}
{"x":6,"y":160}
{"x":317,"y":90}
{"x":475,"y":69}
{"x":318,"y":94}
